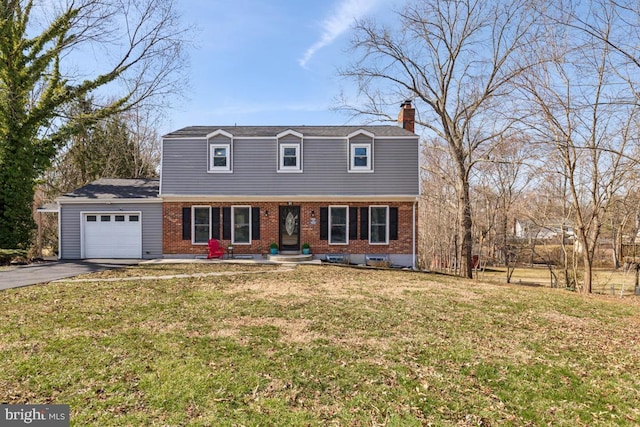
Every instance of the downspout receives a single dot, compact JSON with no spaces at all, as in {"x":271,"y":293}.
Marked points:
{"x":160,"y":171}
{"x":60,"y":230}
{"x":413,"y":257}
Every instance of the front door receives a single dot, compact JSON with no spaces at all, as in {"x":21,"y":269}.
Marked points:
{"x":289,"y":228}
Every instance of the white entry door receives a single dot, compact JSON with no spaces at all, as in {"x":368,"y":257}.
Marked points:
{"x":112,"y":235}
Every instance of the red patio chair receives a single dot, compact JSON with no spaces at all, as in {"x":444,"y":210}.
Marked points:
{"x":215,"y":251}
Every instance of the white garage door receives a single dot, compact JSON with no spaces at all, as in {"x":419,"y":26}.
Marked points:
{"x":112,"y":235}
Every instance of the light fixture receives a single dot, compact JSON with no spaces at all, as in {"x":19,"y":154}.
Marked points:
{"x":313,"y":214}
{"x":266,"y":213}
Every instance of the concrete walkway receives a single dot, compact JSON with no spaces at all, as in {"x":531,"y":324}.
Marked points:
{"x":25,"y":275}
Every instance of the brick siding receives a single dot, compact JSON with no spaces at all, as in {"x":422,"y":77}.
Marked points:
{"x":173,"y":243}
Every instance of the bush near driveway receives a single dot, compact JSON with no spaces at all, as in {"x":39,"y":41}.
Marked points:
{"x":8,"y":255}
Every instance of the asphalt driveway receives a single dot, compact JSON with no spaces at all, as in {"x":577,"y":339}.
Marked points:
{"x":25,"y":275}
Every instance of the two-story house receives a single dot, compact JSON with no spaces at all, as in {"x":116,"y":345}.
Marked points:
{"x":342,"y":189}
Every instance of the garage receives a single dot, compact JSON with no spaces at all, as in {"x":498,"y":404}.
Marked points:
{"x":112,"y":235}
{"x":111,"y":218}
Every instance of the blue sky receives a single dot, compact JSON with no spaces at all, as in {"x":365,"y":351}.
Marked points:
{"x":269,"y":62}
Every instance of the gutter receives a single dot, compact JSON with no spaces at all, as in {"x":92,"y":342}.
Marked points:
{"x":105,"y":201}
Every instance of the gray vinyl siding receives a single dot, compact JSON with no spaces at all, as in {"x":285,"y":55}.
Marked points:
{"x":359,"y":139}
{"x":325,"y":169}
{"x":289,"y":139}
{"x":151,"y":226}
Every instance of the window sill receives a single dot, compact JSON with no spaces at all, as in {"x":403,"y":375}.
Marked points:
{"x":289,"y":171}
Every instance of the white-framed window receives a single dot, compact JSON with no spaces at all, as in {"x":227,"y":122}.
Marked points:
{"x":290,"y":158}
{"x":201,"y":224}
{"x":361,"y":158}
{"x":241,"y":224}
{"x":219,"y":157}
{"x":338,"y":225}
{"x":379,"y":225}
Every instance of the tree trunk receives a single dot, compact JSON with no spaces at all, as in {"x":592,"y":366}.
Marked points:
{"x":617,"y":244}
{"x":588,"y":274}
{"x":506,"y":253}
{"x":587,"y":261}
{"x":466,"y":267}
{"x":565,"y":259}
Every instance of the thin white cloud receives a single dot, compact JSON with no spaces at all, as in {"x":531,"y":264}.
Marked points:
{"x":343,"y":16}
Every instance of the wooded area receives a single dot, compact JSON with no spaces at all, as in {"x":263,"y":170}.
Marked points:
{"x":530,"y":113}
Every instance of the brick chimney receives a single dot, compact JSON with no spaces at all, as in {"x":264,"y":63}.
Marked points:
{"x":407,"y":116}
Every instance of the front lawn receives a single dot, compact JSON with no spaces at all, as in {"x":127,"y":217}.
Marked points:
{"x":319,"y":345}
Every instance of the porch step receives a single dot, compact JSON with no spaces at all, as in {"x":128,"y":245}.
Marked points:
{"x":290,"y":258}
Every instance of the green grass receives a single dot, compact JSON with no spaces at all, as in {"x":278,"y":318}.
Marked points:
{"x":319,"y":345}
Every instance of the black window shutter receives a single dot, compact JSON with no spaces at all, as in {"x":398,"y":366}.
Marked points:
{"x":255,"y":223}
{"x":186,"y":223}
{"x":324,"y":223}
{"x":393,"y":223}
{"x":364,"y":223}
{"x":226,"y":223}
{"x":353,"y":223}
{"x":215,"y":223}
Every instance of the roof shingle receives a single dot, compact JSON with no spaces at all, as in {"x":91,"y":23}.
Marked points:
{"x":272,"y":131}
{"x":116,"y":188}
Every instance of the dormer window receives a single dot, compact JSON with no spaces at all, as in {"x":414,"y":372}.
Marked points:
{"x":290,"y":157}
{"x":360,"y":151}
{"x":289,"y":151}
{"x":220,"y":151}
{"x":220,"y":157}
{"x":360,"y":156}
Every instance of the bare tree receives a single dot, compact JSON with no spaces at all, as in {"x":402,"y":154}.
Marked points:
{"x":437,"y":209}
{"x":583,"y":109}
{"x":457,"y":59}
{"x":506,"y":173}
{"x":549,"y":212}
{"x":124,"y":145}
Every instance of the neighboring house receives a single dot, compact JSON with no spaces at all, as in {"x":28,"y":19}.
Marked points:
{"x":342,"y":189}
{"x":526,"y":229}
